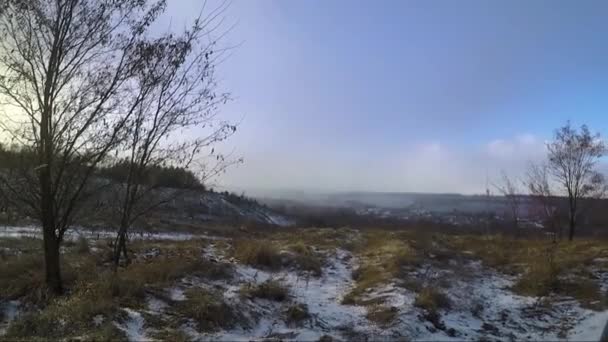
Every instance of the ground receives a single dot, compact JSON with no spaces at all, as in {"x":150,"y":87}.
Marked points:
{"x":309,"y":284}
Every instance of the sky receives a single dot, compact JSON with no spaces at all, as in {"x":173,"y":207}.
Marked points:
{"x":416,"y":96}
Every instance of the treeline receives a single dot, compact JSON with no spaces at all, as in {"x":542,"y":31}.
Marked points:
{"x":155,"y":175}
{"x":20,"y":159}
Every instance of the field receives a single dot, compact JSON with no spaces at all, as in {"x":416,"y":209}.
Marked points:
{"x":309,"y":284}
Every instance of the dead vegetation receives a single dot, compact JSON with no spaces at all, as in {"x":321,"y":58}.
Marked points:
{"x":432,"y":299}
{"x":381,"y":257}
{"x":258,"y":253}
{"x":95,"y":291}
{"x":296,"y":314}
{"x":266,"y":254}
{"x":382,"y":315}
{"x":207,"y":309}
{"x":541,"y":269}
{"x":271,"y":289}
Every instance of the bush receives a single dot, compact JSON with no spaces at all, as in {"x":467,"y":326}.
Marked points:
{"x":541,"y":276}
{"x":296,"y":314}
{"x":82,"y":245}
{"x":69,"y":316}
{"x":207,"y":309}
{"x":382,"y":315}
{"x":432,"y":299}
{"x":21,"y":275}
{"x":306,"y":259}
{"x":258,"y":253}
{"x":270,"y":289}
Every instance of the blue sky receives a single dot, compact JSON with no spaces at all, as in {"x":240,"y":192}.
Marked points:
{"x":405,"y":95}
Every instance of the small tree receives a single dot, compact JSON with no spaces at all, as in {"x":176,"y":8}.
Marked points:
{"x":572,"y":158}
{"x":509,"y":190}
{"x":181,"y":95}
{"x":66,"y":89}
{"x":538,"y":184}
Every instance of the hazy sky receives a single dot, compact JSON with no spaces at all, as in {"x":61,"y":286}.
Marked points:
{"x":425,"y":96}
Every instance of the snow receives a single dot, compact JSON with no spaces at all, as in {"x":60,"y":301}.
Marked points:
{"x":134,"y":326}
{"x":321,"y":295}
{"x":98,"y":320}
{"x":279,"y":220}
{"x":77,"y":232}
{"x":155,"y":305}
{"x":590,"y":329}
{"x":500,"y":314}
{"x":483,"y":306}
{"x":8,"y":312}
{"x":177,"y":294}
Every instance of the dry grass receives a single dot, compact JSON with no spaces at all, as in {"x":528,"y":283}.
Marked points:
{"x":432,"y":299}
{"x":382,"y":315}
{"x":82,"y":245}
{"x":296,"y":314}
{"x":207,"y":309}
{"x":170,"y":334}
{"x":72,"y":315}
{"x":21,"y":275}
{"x":381,"y":257}
{"x":93,"y":289}
{"x":307,"y":259}
{"x":543,"y":267}
{"x":23,"y":245}
{"x":322,"y":238}
{"x":257,"y":253}
{"x":270,"y":289}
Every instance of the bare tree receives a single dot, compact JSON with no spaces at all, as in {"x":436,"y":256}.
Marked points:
{"x":540,"y":189}
{"x":66,"y":90}
{"x":178,"y":78}
{"x":573,"y":155}
{"x":509,"y":190}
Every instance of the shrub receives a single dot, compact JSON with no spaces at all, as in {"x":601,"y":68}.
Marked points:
{"x":257,"y":253}
{"x":541,"y":276}
{"x":270,"y":289}
{"x":432,"y":299}
{"x":21,"y":275}
{"x":82,"y":245}
{"x":382,"y":315}
{"x":68,"y":316}
{"x":207,"y":309}
{"x":296,"y":314}
{"x":307,"y":259}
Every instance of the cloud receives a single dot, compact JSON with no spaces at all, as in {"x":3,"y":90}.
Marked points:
{"x":431,"y":166}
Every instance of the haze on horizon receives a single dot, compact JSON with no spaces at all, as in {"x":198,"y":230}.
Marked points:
{"x":414,"y":96}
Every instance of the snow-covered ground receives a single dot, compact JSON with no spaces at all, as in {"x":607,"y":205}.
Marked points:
{"x":483,"y":308}
{"x":75,"y":233}
{"x":8,"y":312}
{"x":482,"y":305}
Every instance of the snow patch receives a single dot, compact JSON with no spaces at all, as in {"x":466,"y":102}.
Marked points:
{"x":75,"y":233}
{"x":177,"y":294}
{"x":133,"y":326}
{"x":8,"y":312}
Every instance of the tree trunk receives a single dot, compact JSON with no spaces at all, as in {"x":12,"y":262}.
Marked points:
{"x":572,"y":225}
{"x":52,"y":262}
{"x":604,"y":337}
{"x":120,"y":245}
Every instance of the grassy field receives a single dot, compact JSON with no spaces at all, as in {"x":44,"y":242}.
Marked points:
{"x":96,"y":296}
